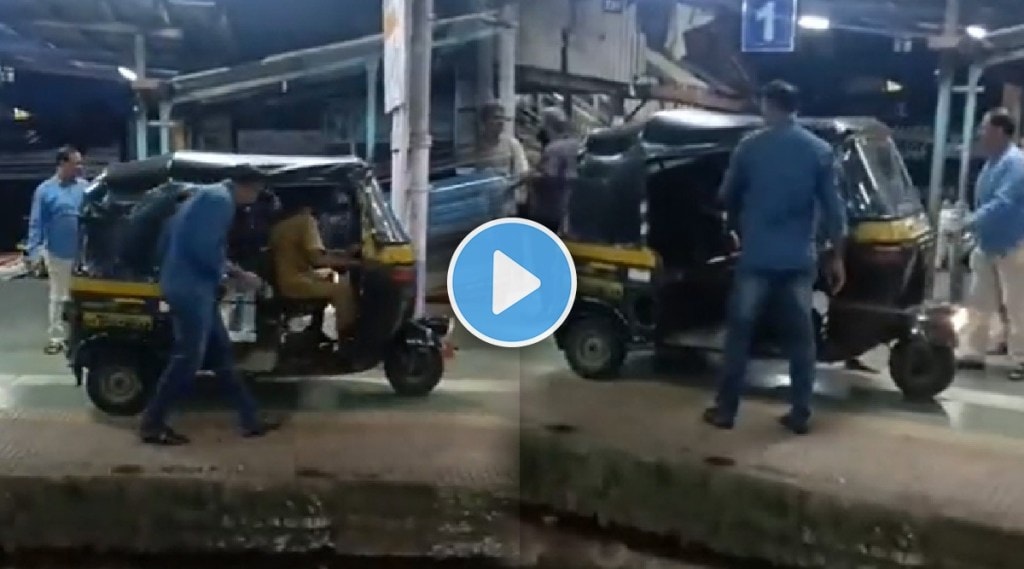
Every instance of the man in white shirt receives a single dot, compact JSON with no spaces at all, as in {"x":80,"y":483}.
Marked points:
{"x":500,"y":152}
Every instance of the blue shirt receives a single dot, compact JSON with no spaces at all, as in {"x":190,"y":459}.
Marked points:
{"x":780,"y":185}
{"x":998,"y":219}
{"x":195,"y":243}
{"x":53,"y":222}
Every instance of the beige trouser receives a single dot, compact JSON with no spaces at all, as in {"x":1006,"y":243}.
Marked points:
{"x":995,"y":282}
{"x":59,"y":274}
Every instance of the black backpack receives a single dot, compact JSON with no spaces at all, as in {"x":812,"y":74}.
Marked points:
{"x":144,"y":227}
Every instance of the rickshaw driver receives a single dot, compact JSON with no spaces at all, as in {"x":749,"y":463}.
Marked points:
{"x":304,"y":269}
{"x":193,"y":266}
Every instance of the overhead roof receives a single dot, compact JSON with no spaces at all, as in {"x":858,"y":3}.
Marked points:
{"x":94,"y":37}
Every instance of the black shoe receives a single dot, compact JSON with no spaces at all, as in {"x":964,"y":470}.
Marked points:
{"x":265,"y":427}
{"x":795,"y":426}
{"x":712,"y":416}
{"x":1017,"y":374}
{"x":165,"y":437}
{"x":970,"y":365}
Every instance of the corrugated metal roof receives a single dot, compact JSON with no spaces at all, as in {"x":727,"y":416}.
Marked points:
{"x":182,"y":35}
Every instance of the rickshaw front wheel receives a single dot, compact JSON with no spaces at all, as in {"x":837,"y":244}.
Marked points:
{"x":921,"y":369}
{"x":413,"y":370}
{"x":594,"y":348}
{"x":117,"y":388}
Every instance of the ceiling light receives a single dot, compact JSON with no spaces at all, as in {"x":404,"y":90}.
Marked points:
{"x":817,"y":23}
{"x":977,"y":32}
{"x":128,"y":74}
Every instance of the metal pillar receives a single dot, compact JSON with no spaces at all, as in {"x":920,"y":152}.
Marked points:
{"x":165,"y":126}
{"x":141,"y":111}
{"x":372,"y":75}
{"x":421,"y":52}
{"x":947,"y":71}
{"x":956,"y":272}
{"x":485,"y":71}
{"x":507,"y":43}
{"x":400,"y":120}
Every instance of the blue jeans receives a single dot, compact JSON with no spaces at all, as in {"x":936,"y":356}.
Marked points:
{"x":792,"y":293}
{"x":199,"y":337}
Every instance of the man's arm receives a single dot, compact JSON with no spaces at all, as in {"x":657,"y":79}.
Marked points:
{"x":37,"y":219}
{"x":733,"y":183}
{"x":313,"y":244}
{"x":1006,"y":195}
{"x":520,"y":165}
{"x":830,"y":203}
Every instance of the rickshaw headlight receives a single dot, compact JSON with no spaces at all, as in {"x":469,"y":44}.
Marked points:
{"x":959,"y":319}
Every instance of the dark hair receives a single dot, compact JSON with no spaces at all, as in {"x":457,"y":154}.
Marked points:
{"x":64,"y":154}
{"x":781,"y":95}
{"x":1001,"y":119}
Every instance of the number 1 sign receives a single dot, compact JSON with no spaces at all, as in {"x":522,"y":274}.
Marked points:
{"x":769,"y":25}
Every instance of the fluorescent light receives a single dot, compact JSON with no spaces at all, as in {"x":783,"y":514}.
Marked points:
{"x":977,"y":32}
{"x":892,"y":86}
{"x":817,"y":23}
{"x":128,"y":74}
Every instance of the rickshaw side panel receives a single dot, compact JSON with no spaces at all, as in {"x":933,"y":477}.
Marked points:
{"x":105,"y":316}
{"x":617,"y":284}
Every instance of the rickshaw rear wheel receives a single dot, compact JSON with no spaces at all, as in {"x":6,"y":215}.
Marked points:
{"x":118,"y":387}
{"x":921,"y":369}
{"x":414,"y":371}
{"x":594,"y":348}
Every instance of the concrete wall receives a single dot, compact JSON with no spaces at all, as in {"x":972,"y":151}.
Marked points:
{"x":602,"y":45}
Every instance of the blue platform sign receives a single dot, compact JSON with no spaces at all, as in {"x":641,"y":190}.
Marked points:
{"x":769,"y":26}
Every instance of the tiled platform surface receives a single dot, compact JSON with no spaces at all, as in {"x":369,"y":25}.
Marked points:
{"x":858,"y":492}
{"x":374,"y":483}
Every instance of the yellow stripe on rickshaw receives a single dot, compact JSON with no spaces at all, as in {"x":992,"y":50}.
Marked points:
{"x":638,"y":257}
{"x":392,"y":255}
{"x":885,"y":232}
{"x":86,"y":285}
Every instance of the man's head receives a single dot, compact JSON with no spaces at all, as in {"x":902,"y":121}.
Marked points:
{"x":492,"y":121}
{"x":997,"y":131}
{"x":554,"y":122}
{"x":779,"y":101}
{"x":69,"y":164}
{"x":247,"y":183}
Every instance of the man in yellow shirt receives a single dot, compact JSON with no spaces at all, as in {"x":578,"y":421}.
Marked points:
{"x":305,"y":269}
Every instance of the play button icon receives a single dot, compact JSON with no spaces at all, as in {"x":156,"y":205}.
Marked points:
{"x":511,"y":282}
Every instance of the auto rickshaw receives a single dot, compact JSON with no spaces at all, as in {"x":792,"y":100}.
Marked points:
{"x":119,"y":329}
{"x":655,"y":260}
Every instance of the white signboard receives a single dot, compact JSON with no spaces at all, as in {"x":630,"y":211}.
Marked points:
{"x":396,"y":37}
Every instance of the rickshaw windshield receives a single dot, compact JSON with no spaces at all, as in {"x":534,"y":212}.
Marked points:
{"x":877,"y":183}
{"x":386,"y":226}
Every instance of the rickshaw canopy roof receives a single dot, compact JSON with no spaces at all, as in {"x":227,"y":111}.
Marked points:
{"x":703,"y":130}
{"x":211,"y":167}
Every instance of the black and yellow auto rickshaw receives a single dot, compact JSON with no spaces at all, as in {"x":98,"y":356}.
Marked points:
{"x":119,"y":330}
{"x":655,"y":261}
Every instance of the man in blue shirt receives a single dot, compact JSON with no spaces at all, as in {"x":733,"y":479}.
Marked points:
{"x":194,"y":265}
{"x":53,"y":234}
{"x":998,"y":261}
{"x":781,"y":182}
